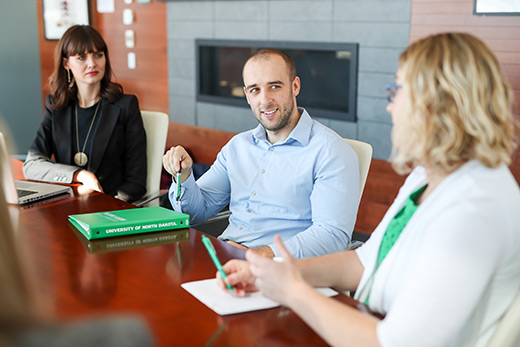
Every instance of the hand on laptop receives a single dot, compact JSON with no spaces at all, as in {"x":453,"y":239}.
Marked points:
{"x":88,"y":179}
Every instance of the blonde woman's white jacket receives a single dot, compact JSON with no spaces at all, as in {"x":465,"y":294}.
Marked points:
{"x":455,"y":268}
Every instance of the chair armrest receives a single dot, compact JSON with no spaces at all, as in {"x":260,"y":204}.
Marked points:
{"x":151,"y":199}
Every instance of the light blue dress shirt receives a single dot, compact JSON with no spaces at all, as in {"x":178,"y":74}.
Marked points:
{"x":306,"y":189}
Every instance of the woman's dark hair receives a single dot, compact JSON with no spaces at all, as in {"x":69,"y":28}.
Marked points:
{"x":80,"y":39}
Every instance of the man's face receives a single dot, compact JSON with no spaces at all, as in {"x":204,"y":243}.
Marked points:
{"x":271,"y":94}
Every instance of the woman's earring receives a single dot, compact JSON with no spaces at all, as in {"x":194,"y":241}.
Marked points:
{"x":69,"y":79}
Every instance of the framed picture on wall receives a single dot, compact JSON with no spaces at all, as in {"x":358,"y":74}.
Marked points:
{"x":497,"y":7}
{"x":59,"y":15}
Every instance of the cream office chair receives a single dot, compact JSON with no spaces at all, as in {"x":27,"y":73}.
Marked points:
{"x":508,"y":333}
{"x":156,"y":127}
{"x":364,"y":153}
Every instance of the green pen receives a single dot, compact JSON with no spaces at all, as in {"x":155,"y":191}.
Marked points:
{"x":179,"y":176}
{"x":213,"y":255}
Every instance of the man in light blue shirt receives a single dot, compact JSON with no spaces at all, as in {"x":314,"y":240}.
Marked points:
{"x":290,"y":175}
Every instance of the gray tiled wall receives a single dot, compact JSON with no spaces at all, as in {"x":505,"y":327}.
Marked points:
{"x":381,"y":27}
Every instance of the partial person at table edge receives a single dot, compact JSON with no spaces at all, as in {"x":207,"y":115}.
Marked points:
{"x":290,"y":175}
{"x":91,"y":132}
{"x":443,"y":266}
{"x":25,"y":317}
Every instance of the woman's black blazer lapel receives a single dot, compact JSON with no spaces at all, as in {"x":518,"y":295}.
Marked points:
{"x":62,"y":124}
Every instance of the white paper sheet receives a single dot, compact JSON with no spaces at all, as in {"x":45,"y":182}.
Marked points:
{"x":207,"y":292}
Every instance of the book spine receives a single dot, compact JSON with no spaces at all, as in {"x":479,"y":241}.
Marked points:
{"x":138,"y":228}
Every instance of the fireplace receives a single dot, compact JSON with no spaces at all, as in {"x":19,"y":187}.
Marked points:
{"x":328,"y":73}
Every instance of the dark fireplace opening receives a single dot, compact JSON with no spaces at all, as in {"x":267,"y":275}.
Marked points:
{"x":328,"y":73}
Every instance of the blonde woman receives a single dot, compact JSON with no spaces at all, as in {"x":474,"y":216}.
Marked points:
{"x":24,"y":322}
{"x":444,"y":263}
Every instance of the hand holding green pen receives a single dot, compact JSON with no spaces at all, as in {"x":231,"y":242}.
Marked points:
{"x":213,"y":255}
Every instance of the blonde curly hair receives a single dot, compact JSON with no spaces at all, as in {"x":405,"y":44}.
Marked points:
{"x":458,"y":108}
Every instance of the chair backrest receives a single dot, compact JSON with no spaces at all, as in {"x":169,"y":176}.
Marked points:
{"x":508,"y":333}
{"x":364,"y":153}
{"x":156,"y":127}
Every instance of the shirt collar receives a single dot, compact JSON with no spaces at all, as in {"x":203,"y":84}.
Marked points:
{"x":300,"y":133}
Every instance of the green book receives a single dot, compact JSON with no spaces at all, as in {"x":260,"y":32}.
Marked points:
{"x":127,"y":222}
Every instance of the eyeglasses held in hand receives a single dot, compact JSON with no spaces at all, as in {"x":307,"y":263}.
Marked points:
{"x":391,"y":91}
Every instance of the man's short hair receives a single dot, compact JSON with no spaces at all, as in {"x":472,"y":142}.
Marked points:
{"x":266,"y":53}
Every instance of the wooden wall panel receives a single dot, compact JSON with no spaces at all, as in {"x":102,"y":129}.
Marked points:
{"x":149,"y":81}
{"x":501,"y":33}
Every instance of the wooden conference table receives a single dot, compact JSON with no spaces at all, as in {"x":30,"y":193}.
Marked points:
{"x":141,"y":275}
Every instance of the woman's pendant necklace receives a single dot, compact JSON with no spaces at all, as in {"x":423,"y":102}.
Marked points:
{"x":80,"y":158}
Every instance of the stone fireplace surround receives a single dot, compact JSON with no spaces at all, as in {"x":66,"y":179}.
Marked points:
{"x":380,"y":27}
{"x":328,"y":70}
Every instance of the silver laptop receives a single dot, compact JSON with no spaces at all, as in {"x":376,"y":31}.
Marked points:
{"x":22,"y":192}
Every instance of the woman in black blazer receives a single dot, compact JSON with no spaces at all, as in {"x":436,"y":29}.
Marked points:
{"x":91,"y":133}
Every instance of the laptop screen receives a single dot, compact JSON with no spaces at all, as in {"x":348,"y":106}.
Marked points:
{"x":7,"y":174}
